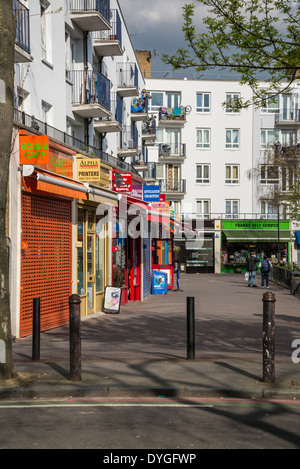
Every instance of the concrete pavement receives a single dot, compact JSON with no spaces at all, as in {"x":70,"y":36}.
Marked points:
{"x":142,"y":352}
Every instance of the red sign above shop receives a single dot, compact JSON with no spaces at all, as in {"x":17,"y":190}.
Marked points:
{"x":122,"y":182}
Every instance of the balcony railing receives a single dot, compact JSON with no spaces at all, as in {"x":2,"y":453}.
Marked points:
{"x":173,"y":114}
{"x":173,"y":185}
{"x":127,"y":74}
{"x":141,"y":161}
{"x":90,"y":87}
{"x":42,"y":128}
{"x":288,"y":116}
{"x":172,"y":149}
{"x":22,"y":28}
{"x":100,"y":6}
{"x":115,"y":33}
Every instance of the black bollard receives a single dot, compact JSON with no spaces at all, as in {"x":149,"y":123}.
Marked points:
{"x":269,"y":337}
{"x":190,"y":327}
{"x":75,"y":338}
{"x":36,"y":328}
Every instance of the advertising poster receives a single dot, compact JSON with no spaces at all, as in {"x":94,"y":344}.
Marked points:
{"x":112,"y":300}
{"x":159,"y":282}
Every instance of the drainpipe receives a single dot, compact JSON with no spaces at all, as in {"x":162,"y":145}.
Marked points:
{"x":9,"y":267}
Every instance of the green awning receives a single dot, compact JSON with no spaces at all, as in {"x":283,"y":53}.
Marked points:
{"x":257,"y":235}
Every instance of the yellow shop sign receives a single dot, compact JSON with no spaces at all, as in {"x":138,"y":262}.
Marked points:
{"x":88,"y":170}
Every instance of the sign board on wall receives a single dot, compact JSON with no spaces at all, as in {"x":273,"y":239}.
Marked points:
{"x":88,"y":170}
{"x":151,"y":193}
{"x":122,"y":182}
{"x":34,"y":149}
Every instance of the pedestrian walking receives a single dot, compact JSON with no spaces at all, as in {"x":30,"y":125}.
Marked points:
{"x":265,"y":267}
{"x":252,"y":269}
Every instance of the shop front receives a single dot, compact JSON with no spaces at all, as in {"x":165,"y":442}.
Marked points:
{"x":47,"y":193}
{"x":94,"y":234}
{"x":265,"y":237}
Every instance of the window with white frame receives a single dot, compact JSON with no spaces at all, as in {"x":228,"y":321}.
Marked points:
{"x":45,"y":31}
{"x":270,"y":104}
{"x":46,"y":112}
{"x":269,"y":174}
{"x":203,"y":208}
{"x":156,"y":101}
{"x":232,"y":138}
{"x":232,"y":174}
{"x":203,"y":102}
{"x":173,"y":100}
{"x":202,"y":173}
{"x":232,"y":208}
{"x":230,"y":99}
{"x":268,"y":209}
{"x":203,"y":138}
{"x":159,"y":171}
{"x":268,"y":138}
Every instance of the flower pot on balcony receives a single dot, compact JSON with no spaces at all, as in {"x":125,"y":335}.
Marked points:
{"x":113,"y":37}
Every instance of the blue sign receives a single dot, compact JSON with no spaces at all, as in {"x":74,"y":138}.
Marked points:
{"x":159,"y":282}
{"x":151,"y":193}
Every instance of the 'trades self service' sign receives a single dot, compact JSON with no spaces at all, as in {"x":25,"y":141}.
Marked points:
{"x":34,"y":149}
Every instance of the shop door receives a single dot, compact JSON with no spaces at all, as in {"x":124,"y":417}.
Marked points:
{"x":86,"y":259}
{"x":46,"y":260}
{"x":134,"y":256}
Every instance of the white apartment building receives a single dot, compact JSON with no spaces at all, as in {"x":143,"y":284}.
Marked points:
{"x":211,"y":163}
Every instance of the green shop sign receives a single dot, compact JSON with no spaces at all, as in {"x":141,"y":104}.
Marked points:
{"x":255,"y":224}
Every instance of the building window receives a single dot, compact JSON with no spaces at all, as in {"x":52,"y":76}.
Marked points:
{"x":203,"y":102}
{"x":269,"y":174}
{"x":232,"y":138}
{"x":173,"y":100}
{"x":46,"y":112}
{"x":268,"y":210}
{"x":156,"y":101}
{"x":270,"y":104}
{"x":203,"y":173}
{"x":230,"y":99}
{"x":232,"y":174}
{"x":159,"y":171}
{"x":203,"y":138}
{"x":44,"y":6}
{"x":232,"y":208}
{"x":203,"y":208}
{"x":268,"y":138}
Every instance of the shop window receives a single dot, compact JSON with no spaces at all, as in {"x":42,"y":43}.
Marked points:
{"x":119,"y":253}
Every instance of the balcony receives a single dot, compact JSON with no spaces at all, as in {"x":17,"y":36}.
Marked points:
{"x":128,"y":144}
{"x":127,"y":79}
{"x":22,"y":40}
{"x":139,"y":107}
{"x":109,"y":43}
{"x":288,"y":118}
{"x":172,"y":151}
{"x":173,"y":186}
{"x":140,"y":162}
{"x":91,"y":94}
{"x":149,"y":131}
{"x":112,"y":123}
{"x":174,"y":116}
{"x":91,"y":15}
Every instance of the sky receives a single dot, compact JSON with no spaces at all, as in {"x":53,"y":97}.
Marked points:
{"x":155,"y":26}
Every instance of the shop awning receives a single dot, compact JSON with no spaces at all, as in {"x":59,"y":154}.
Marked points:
{"x":257,"y":235}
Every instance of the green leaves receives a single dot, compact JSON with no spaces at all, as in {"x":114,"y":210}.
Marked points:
{"x":256,"y":39}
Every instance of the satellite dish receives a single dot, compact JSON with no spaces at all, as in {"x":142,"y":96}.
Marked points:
{"x":27,"y":169}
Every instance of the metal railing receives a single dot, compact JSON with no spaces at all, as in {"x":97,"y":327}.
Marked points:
{"x":172,"y":149}
{"x":89,"y":87}
{"x":115,"y":33}
{"x":169,"y":185}
{"x":22,"y":38}
{"x":101,"y":6}
{"x":174,"y":114}
{"x":42,"y":128}
{"x":127,"y":74}
{"x":288,"y":116}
